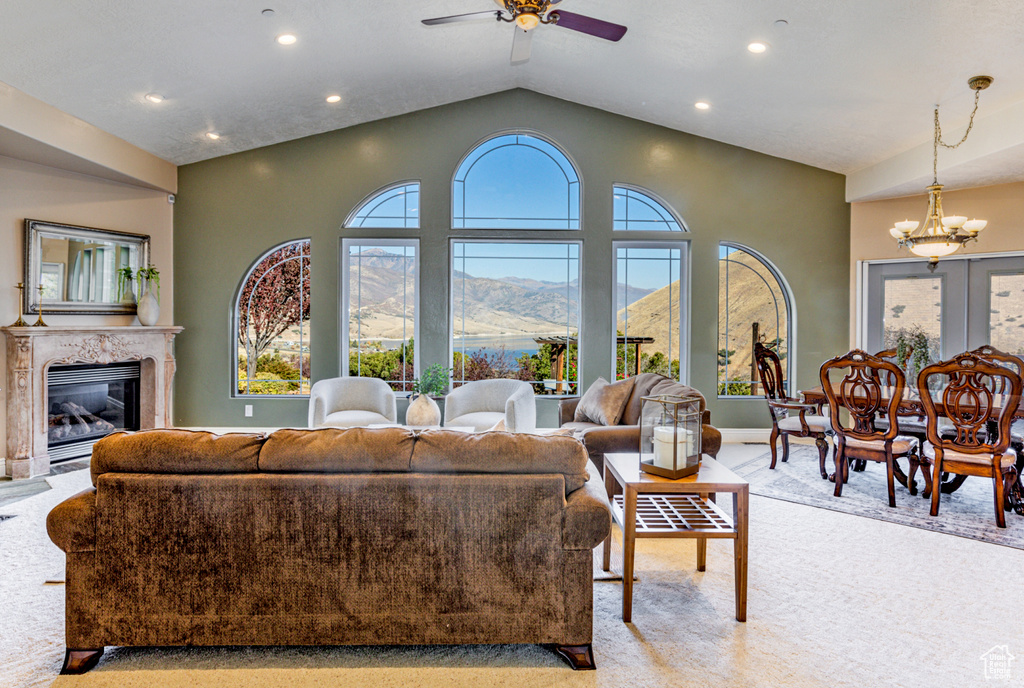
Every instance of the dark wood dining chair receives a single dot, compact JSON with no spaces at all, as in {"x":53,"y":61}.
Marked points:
{"x":790,"y":417}
{"x":969,"y":399}
{"x":870,"y":387}
{"x":1015,"y":497}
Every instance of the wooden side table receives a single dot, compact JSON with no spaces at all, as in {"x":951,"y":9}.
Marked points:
{"x":649,"y":506}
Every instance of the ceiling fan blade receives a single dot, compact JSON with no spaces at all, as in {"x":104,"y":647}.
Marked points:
{"x":589,"y":25}
{"x":521,"y":46}
{"x":455,"y":18}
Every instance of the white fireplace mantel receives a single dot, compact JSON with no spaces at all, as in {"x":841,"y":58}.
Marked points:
{"x":32,"y":350}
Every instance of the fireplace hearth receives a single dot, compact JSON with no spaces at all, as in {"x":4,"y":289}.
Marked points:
{"x":88,"y":402}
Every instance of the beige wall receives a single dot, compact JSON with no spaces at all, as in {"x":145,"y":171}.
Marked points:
{"x":1002,"y":205}
{"x":28,"y":190}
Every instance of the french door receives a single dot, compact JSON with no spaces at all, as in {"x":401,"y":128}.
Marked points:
{"x":964,"y":304}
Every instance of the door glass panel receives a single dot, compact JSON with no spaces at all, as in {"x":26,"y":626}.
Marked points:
{"x":912,"y":304}
{"x":1006,"y":312}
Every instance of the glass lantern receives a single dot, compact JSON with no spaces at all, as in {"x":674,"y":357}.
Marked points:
{"x":670,"y":435}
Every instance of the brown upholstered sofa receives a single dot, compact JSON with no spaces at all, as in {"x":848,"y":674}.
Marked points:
{"x":331,"y":536}
{"x":625,"y":436}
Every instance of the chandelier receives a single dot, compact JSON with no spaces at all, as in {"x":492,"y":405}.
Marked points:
{"x":941,"y":235}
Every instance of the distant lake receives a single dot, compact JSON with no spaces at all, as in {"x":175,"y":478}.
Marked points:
{"x":515,"y":345}
{"x":490,"y":344}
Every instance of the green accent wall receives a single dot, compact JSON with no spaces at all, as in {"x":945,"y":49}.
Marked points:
{"x":231,"y":209}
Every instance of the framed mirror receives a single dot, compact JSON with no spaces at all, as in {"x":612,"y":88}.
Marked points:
{"x":78,"y":267}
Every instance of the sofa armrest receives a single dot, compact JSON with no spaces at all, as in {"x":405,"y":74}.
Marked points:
{"x":567,"y":410}
{"x":587,"y":519}
{"x":72,"y":523}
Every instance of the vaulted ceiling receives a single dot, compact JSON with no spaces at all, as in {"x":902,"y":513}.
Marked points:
{"x":844,"y":86}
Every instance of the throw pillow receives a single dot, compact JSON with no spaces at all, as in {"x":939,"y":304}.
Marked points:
{"x":604,"y":403}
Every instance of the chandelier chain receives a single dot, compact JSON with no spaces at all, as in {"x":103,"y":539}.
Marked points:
{"x":951,"y":146}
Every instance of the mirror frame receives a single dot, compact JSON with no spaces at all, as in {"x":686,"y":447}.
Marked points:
{"x":33,"y":265}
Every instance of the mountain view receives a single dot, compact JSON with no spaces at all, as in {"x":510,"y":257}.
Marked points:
{"x":490,"y":305}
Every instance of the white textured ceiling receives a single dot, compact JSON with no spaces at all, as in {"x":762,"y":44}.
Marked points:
{"x":845,"y":86}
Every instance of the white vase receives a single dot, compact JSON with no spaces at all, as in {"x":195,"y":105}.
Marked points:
{"x":148,"y":309}
{"x":128,"y":298}
{"x":422,"y":411}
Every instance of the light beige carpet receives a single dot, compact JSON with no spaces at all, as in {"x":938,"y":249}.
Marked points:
{"x":834,"y":600}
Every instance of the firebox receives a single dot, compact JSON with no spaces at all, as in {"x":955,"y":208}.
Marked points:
{"x":88,"y":402}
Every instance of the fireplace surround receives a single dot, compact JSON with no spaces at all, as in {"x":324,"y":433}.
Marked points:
{"x":33,"y":351}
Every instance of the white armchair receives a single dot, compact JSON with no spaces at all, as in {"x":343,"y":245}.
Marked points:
{"x":346,"y":402}
{"x":482,"y":403}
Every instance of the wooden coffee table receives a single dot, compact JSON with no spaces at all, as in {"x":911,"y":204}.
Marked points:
{"x":649,"y":506}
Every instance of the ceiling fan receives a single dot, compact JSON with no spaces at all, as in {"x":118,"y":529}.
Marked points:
{"x":528,"y":14}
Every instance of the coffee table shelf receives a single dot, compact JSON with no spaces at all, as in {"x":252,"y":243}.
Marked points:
{"x":663,"y":515}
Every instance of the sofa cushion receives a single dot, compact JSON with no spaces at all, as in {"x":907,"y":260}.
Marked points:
{"x":447,"y":451}
{"x":478,"y":420}
{"x":353,"y":419}
{"x":176,"y":451}
{"x":338,"y":450}
{"x":603,"y":402}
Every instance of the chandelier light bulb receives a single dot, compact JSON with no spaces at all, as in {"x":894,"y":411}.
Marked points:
{"x":954,"y":221}
{"x":907,"y":226}
{"x":896,"y":234}
{"x":975,"y":226}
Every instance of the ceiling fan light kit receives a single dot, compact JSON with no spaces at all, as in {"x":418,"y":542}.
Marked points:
{"x":528,"y":15}
{"x":941,"y":235}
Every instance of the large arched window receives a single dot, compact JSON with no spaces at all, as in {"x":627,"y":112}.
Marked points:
{"x":272,"y":325}
{"x":396,"y":205}
{"x":636,"y":210}
{"x":516,"y":181}
{"x":754,"y":304}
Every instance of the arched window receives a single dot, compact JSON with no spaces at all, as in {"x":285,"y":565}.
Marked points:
{"x":516,"y":181}
{"x":636,"y":210}
{"x":397,"y":205}
{"x":754,"y":303}
{"x":272,"y":323}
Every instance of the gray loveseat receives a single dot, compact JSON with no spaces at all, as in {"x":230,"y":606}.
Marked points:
{"x":331,"y":536}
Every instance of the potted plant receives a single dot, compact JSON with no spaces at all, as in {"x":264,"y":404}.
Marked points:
{"x":149,"y":304}
{"x":913,"y":352}
{"x":423,"y":410}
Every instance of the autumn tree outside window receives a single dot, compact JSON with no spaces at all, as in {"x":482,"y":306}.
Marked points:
{"x":272,"y":323}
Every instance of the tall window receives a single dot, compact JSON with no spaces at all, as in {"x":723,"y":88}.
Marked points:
{"x":273,"y":324}
{"x":380,"y":279}
{"x":636,"y":210}
{"x":516,"y":313}
{"x":649,"y":297}
{"x":393,"y":206}
{"x":516,"y":181}
{"x":753,"y":305}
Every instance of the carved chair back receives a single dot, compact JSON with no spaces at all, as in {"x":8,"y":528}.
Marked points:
{"x":892,"y":356}
{"x":862,"y":393}
{"x":974,"y":390}
{"x":769,"y":370}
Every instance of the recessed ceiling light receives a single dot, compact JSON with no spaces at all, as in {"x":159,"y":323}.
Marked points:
{"x":212,"y":135}
{"x":757,"y":47}
{"x":154,"y":98}
{"x":334,"y":99}
{"x":267,"y":12}
{"x":286,"y":38}
{"x":701,"y":105}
